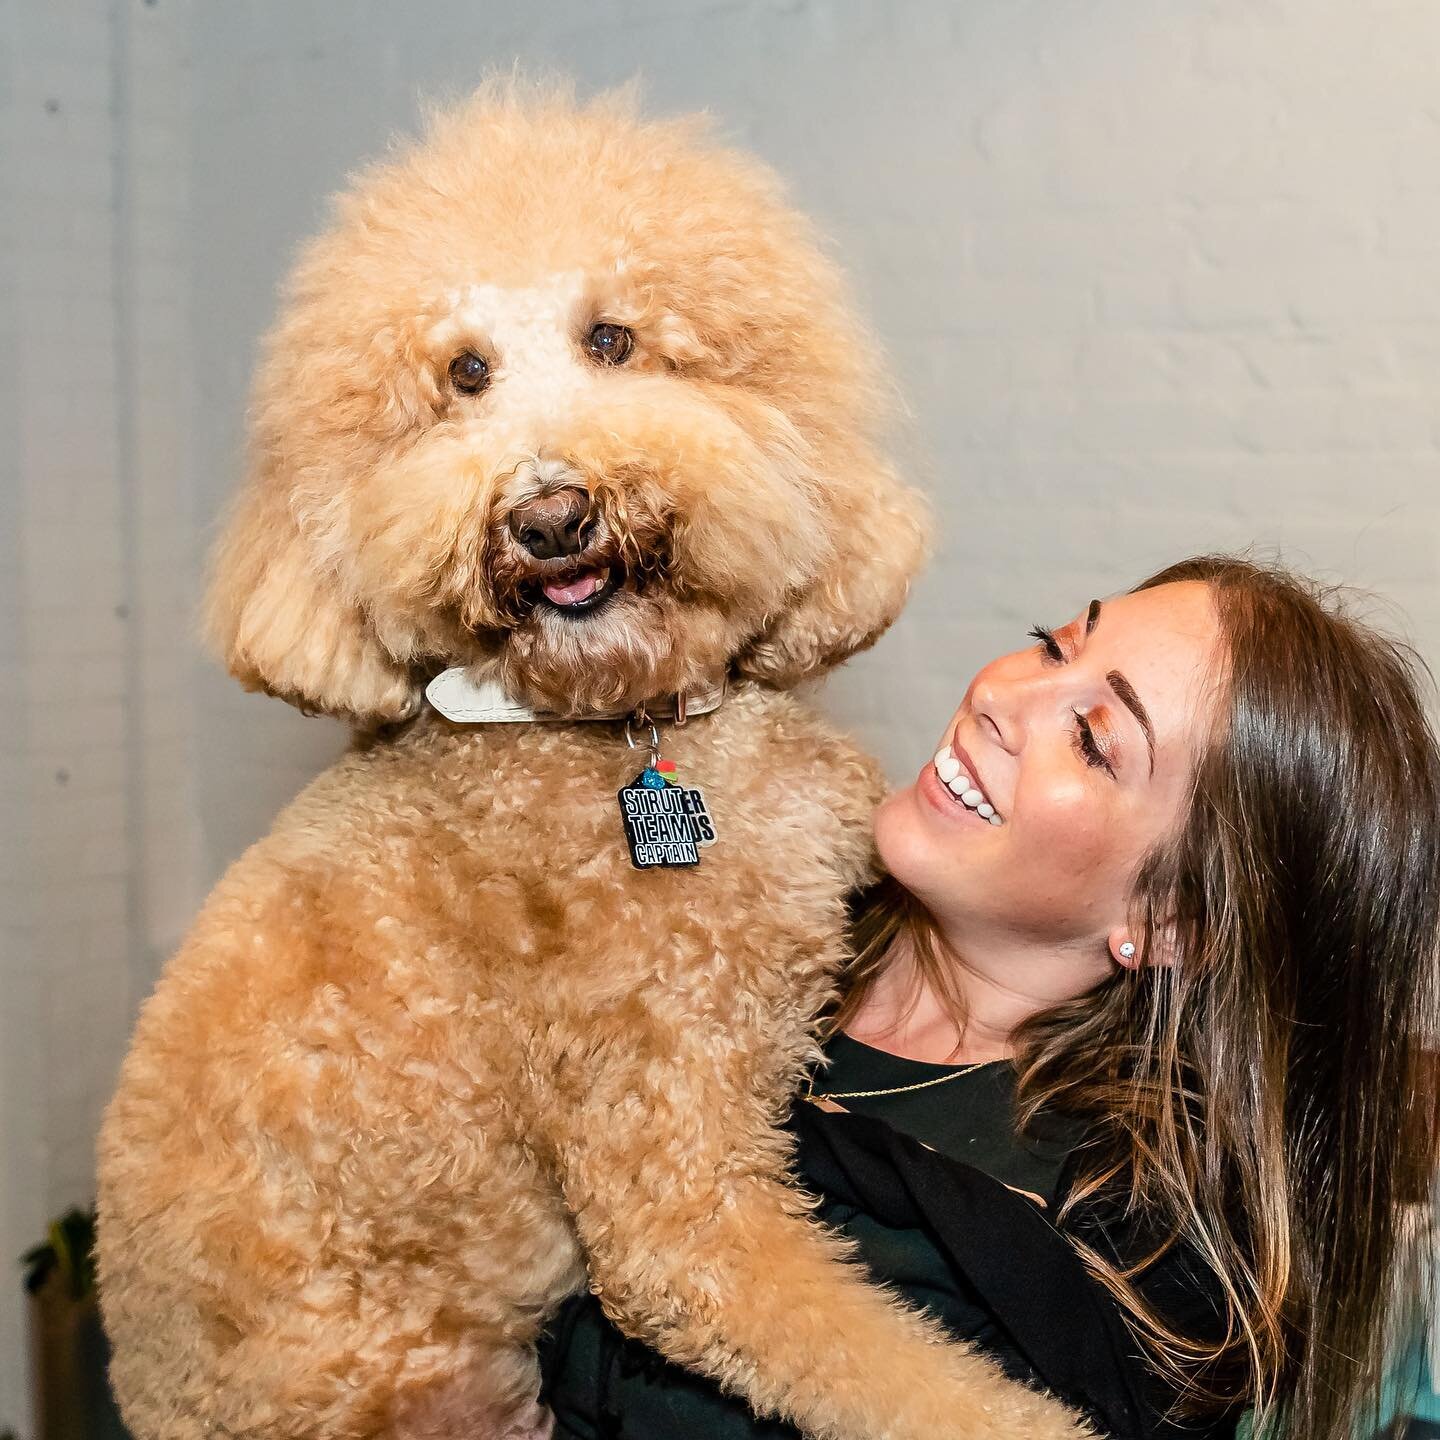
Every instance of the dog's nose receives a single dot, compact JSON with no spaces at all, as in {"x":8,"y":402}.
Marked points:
{"x":553,"y":525}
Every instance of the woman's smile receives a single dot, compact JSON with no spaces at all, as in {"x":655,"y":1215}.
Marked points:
{"x":960,"y":779}
{"x":941,"y":798}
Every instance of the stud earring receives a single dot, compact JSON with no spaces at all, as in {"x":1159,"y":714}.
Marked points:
{"x":1127,"y":950}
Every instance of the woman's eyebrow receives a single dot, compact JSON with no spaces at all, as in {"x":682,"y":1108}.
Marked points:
{"x":1124,"y":690}
{"x":1125,"y":693}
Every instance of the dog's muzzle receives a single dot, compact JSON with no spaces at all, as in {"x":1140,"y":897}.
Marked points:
{"x":562,"y":538}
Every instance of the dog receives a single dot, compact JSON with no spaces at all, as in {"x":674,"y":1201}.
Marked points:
{"x":567,"y":407}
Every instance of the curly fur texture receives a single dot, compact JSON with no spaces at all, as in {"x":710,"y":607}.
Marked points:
{"x":434,"y":1052}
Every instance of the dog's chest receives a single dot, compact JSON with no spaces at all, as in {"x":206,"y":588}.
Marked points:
{"x":504,"y":850}
{"x":785,"y":799}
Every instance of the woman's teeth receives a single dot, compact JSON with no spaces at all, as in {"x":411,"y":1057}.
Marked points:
{"x":947,"y":767}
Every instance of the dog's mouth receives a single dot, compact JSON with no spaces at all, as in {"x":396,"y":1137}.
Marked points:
{"x":578,"y":592}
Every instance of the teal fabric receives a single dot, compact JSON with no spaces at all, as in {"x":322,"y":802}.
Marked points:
{"x":1408,"y":1392}
{"x":1409,"y":1388}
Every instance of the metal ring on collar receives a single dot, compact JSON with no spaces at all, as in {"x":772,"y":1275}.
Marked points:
{"x":641,"y":717}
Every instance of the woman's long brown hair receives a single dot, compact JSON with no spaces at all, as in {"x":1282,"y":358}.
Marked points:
{"x":1261,"y":1102}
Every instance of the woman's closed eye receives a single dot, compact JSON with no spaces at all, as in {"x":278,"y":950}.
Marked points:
{"x":1095,"y":750}
{"x":1091,"y":749}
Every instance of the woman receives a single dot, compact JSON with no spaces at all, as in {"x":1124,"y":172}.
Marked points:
{"x":1124,"y":1086}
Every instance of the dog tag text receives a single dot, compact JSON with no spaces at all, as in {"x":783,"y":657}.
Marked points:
{"x":666,"y":823}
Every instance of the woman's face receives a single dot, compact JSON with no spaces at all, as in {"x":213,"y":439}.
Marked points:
{"x":1082,"y":745}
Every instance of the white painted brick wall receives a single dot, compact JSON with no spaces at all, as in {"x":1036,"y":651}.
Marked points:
{"x":97,"y":560}
{"x":20,"y":1152}
{"x":1156,"y":279}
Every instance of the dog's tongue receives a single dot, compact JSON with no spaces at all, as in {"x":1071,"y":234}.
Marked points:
{"x":572,"y":592}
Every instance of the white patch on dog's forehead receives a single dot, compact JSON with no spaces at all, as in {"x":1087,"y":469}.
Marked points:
{"x":529,"y":336}
{"x":492,"y":308}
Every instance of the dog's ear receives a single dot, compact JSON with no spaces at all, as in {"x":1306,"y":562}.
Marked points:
{"x":282,"y":625}
{"x":879,"y":538}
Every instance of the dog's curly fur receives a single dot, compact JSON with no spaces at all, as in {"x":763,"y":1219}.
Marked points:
{"x":434,"y":1050}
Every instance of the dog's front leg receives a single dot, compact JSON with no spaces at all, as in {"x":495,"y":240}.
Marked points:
{"x":713,"y":1261}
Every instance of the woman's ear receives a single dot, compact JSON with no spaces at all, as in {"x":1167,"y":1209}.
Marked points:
{"x":1131,"y":949}
{"x":879,"y":538}
{"x":281,"y":624}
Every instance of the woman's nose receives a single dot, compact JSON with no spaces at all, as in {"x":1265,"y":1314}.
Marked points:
{"x":1008,"y":694}
{"x":998,"y":706}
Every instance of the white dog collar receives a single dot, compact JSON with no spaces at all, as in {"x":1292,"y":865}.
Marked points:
{"x":484,"y":702}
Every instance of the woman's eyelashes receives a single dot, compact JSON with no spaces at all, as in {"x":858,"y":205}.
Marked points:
{"x":1089,"y":747}
{"x":1095,"y":751}
{"x":1049,"y":645}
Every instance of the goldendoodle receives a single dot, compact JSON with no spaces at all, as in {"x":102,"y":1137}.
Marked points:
{"x":574,"y":402}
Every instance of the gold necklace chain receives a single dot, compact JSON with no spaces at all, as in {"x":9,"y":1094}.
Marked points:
{"x":896,"y":1090}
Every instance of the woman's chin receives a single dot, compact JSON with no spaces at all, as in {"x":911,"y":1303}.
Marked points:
{"x":928,"y":841}
{"x":909,"y":836}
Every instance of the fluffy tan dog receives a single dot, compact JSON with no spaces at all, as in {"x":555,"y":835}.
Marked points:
{"x":574,"y":401}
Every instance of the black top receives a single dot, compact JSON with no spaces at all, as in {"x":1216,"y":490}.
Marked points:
{"x":968,"y":1117}
{"x":922,"y":1180}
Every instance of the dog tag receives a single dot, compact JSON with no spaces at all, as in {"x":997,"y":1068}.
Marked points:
{"x":666,"y":823}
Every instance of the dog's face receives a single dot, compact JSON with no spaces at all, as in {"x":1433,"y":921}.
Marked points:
{"x":571,"y":399}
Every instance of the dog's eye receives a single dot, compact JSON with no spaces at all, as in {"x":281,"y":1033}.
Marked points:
{"x":610,"y":344}
{"x":469,"y":373}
